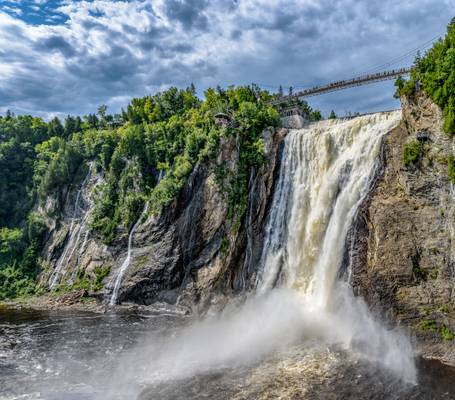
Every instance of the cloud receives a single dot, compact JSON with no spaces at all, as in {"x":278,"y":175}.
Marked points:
{"x":84,"y":53}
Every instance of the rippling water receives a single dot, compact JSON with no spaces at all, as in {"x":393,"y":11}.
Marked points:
{"x":73,"y":355}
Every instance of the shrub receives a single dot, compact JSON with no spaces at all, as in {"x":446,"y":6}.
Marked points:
{"x":100,"y":274}
{"x":412,"y":152}
{"x":446,"y":333}
{"x":428,"y":325}
{"x":451,"y":168}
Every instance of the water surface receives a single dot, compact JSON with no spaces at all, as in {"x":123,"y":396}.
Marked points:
{"x":75,"y":355}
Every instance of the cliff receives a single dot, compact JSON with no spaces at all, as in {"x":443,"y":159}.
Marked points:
{"x":402,"y":245}
{"x":192,"y":253}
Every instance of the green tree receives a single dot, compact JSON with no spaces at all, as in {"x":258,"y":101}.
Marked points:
{"x":55,"y":128}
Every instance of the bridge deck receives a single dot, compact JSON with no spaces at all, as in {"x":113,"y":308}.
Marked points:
{"x":331,"y":87}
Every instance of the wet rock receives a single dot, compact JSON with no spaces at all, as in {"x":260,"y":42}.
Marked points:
{"x":402,"y":243}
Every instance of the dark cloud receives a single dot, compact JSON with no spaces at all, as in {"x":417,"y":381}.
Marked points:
{"x":56,"y":43}
{"x":107,"y":52}
{"x":190,"y":13}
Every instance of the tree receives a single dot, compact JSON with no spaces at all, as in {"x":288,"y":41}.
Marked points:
{"x":55,"y":128}
{"x":102,"y":109}
{"x":77,"y":124}
{"x":70,"y":126}
{"x":316,"y":115}
{"x":92,"y":121}
{"x":332,"y":115}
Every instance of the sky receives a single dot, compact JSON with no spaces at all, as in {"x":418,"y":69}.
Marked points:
{"x":61,"y":57}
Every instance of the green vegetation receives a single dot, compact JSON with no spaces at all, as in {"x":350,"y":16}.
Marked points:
{"x":432,"y":326}
{"x":412,"y":153}
{"x":420,"y":274}
{"x":167,"y":134}
{"x":451,"y":168}
{"x":435,"y":72}
{"x":332,"y":115}
{"x":100,"y":274}
{"x":145,"y":155}
{"x":428,"y":325}
{"x":446,"y":333}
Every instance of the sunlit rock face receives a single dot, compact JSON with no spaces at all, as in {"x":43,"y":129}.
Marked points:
{"x":192,"y":253}
{"x":403,"y":244}
{"x":333,"y":203}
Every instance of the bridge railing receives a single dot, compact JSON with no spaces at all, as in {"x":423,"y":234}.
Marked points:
{"x":338,"y":85}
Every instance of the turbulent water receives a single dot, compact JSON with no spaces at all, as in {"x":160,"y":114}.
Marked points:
{"x":326,"y":172}
{"x":302,"y":335}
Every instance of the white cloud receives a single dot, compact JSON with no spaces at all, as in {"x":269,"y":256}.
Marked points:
{"x":109,"y":51}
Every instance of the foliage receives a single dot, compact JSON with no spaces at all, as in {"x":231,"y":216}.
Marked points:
{"x":145,"y":155}
{"x":100,"y":274}
{"x":404,"y":88}
{"x":446,"y":333}
{"x":432,"y":326}
{"x":332,"y":115}
{"x":14,"y":282}
{"x":451,"y":168}
{"x":18,"y":267}
{"x":428,"y":325}
{"x":435,"y":72}
{"x":412,"y":152}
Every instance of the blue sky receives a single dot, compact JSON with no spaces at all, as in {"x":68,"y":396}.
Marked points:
{"x":69,"y":56}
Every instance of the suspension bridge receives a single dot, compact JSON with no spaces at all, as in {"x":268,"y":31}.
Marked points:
{"x":340,"y":85}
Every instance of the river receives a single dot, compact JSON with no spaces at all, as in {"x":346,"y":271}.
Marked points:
{"x":87,"y":356}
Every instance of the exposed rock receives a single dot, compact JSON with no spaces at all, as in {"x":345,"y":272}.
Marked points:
{"x":402,"y":244}
{"x":191,"y":254}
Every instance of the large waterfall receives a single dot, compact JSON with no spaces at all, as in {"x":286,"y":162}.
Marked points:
{"x":325,"y":173}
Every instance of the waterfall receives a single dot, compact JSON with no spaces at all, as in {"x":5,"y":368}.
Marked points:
{"x":326,"y":172}
{"x":74,"y":236}
{"x":126,"y":262}
{"x":300,"y":305}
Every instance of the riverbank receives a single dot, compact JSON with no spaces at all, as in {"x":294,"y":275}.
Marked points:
{"x":81,"y":301}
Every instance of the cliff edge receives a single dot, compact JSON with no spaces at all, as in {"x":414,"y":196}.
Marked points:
{"x":402,"y":254}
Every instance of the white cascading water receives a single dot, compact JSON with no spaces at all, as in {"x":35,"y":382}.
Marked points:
{"x":124,"y":267}
{"x":326,"y":171}
{"x":74,"y":232}
{"x":325,"y":174}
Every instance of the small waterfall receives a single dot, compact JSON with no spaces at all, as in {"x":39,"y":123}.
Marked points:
{"x":62,"y":262}
{"x":83,"y":229}
{"x":126,"y":263}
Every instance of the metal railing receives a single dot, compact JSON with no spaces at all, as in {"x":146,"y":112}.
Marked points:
{"x":344,"y":84}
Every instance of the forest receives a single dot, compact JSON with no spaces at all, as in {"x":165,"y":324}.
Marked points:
{"x":144,"y":154}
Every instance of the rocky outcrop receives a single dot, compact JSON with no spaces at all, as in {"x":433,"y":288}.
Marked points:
{"x":403,"y":242}
{"x":191,"y":254}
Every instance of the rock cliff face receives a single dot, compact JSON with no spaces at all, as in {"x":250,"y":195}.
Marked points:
{"x":190,"y":254}
{"x":400,"y":250}
{"x":402,"y":245}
